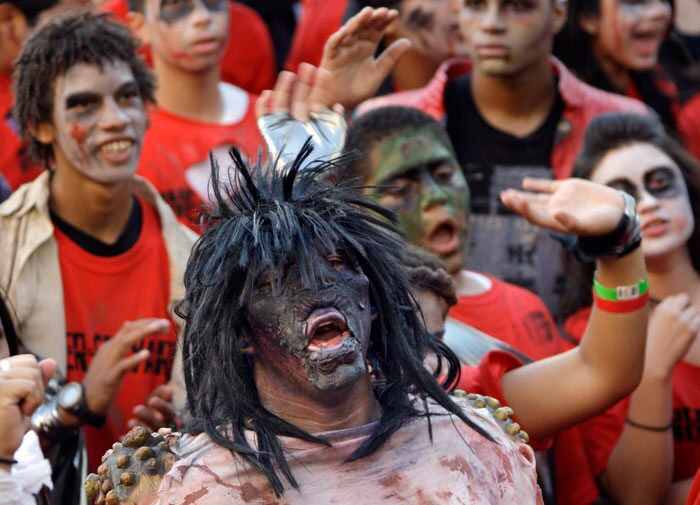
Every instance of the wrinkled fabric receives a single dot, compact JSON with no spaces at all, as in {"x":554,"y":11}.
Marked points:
{"x":459,"y":466}
{"x":31,"y":472}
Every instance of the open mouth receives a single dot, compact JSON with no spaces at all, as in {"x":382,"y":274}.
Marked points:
{"x":443,"y":239}
{"x":326,"y":330}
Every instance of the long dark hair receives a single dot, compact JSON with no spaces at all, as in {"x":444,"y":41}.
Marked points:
{"x":264,"y":218}
{"x":574,"y":47}
{"x":607,"y":133}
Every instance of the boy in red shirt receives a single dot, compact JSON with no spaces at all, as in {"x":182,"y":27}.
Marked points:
{"x":91,"y":258}
{"x":196,"y":111}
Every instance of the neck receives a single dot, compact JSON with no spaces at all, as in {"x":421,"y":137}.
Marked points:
{"x":618,"y":75}
{"x":516,"y":104}
{"x":468,"y":283}
{"x":673,"y":274}
{"x":350,"y":408}
{"x":413,"y":71}
{"x":187,"y":94}
{"x":102,"y":211}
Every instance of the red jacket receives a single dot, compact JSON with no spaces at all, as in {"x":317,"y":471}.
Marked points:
{"x":581,"y":104}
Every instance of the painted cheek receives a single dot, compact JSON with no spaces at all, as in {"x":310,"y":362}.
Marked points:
{"x":78,"y":132}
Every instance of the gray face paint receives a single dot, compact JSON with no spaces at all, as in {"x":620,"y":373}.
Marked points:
{"x":174,"y":10}
{"x":316,"y":340}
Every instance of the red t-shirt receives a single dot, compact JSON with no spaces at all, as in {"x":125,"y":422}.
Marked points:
{"x":515,"y":316}
{"x":249,"y":60}
{"x":602,"y":432}
{"x":694,"y":494}
{"x":100,"y":294}
{"x":319,"y":20}
{"x":519,"y":318}
{"x":175,"y":148}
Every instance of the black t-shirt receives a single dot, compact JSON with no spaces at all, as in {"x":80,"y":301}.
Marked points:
{"x":492,"y":160}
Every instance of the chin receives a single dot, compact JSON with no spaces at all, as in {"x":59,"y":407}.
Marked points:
{"x":343,"y":377}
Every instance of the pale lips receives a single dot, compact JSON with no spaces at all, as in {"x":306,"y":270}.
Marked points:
{"x":326,"y":329}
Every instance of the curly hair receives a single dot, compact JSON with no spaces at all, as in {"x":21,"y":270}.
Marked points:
{"x":379,"y":124}
{"x":426,"y":271}
{"x":262,"y":220}
{"x":75,"y":37}
{"x":612,"y":131}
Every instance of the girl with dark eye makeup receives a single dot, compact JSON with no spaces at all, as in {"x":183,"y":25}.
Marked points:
{"x":660,"y":420}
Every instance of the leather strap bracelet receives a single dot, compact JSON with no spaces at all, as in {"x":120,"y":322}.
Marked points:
{"x":647,"y":427}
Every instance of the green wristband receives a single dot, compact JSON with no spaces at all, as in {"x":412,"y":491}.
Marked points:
{"x":621,"y":293}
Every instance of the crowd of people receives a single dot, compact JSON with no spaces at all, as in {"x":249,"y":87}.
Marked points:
{"x":303,"y":252}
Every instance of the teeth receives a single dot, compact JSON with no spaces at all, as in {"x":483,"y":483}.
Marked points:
{"x":118,"y":145}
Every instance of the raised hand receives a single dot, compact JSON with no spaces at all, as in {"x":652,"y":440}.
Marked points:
{"x":349,"y":56}
{"x":22,"y":382}
{"x":157,"y":412}
{"x":673,"y":327}
{"x":298,"y":108}
{"x":573,"y":206}
{"x":112,"y":361}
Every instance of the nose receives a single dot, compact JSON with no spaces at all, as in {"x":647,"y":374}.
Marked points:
{"x":658,"y":9}
{"x":201,"y":12}
{"x":646,"y":202}
{"x":433,"y":194}
{"x":491,"y":20}
{"x":113,"y":117}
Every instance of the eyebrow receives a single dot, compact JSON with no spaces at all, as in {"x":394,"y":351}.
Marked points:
{"x":411,"y":171}
{"x":80,"y":97}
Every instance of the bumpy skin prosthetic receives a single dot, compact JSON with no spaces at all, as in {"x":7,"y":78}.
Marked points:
{"x":132,"y":470}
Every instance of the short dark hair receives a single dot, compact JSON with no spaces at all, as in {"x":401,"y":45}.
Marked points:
{"x":266,"y":218}
{"x":379,"y":124}
{"x":612,"y":131}
{"x":32,"y":8}
{"x":426,"y":271}
{"x":78,"y":36}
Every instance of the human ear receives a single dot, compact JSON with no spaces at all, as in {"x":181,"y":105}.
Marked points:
{"x":44,"y":132}
{"x":139,"y":27}
{"x":559,"y":12}
{"x":589,"y":24}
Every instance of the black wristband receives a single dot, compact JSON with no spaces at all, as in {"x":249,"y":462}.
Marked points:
{"x":8,"y":461}
{"x":624,"y":239}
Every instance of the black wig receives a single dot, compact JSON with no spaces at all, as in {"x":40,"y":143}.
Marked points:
{"x":261,"y":221}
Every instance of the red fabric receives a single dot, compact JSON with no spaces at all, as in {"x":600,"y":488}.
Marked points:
{"x":319,"y":20}
{"x":519,"y":318}
{"x":98,"y":300}
{"x":621,"y":306}
{"x":174,"y":144}
{"x":602,"y":432}
{"x":15,"y":165}
{"x":515,"y":316}
{"x":249,"y":60}
{"x":581,"y":104}
{"x":694,"y":494}
{"x":688,"y":123}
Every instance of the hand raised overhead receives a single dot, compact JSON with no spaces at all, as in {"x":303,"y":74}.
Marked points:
{"x":349,"y":56}
{"x":573,"y":206}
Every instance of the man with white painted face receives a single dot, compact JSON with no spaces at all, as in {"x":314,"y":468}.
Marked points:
{"x":196,"y":111}
{"x":90,"y":257}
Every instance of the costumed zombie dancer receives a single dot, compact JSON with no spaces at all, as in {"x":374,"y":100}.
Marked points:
{"x":296,"y":292}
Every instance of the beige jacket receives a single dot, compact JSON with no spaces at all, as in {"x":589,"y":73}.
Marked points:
{"x":30,"y":273}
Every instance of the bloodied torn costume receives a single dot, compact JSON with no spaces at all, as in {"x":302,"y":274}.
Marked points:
{"x":306,"y":275}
